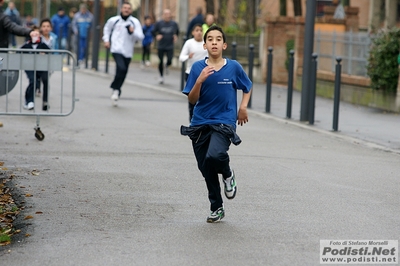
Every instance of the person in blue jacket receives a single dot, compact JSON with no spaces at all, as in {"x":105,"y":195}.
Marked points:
{"x":81,"y":25}
{"x":148,"y":39}
{"x":13,"y":13}
{"x":61,"y":22}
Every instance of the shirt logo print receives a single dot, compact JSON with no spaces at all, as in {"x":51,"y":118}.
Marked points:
{"x":225,"y":81}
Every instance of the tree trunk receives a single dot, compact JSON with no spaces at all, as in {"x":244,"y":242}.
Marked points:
{"x":374,"y":15}
{"x":390,"y":13}
{"x":252,"y":16}
{"x":222,"y":10}
{"x":210,"y":6}
{"x":297,"y":8}
{"x":282,"y":8}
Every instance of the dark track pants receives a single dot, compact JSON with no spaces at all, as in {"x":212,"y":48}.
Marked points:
{"x":211,"y":151}
{"x":34,"y":83}
{"x":122,"y":69}
{"x":170,"y":54}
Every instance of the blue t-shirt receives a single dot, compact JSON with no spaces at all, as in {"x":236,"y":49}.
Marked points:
{"x":217,"y":103}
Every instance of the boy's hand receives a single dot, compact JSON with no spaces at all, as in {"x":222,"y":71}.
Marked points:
{"x":205,"y":73}
{"x":242,"y":116}
{"x":107,"y":45}
{"x":159,"y":37}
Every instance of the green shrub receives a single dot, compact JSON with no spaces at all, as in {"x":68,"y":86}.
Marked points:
{"x":382,"y":65}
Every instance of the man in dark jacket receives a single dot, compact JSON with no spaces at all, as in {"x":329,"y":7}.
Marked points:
{"x":198,"y":19}
{"x":166,"y":32}
{"x":7,"y":27}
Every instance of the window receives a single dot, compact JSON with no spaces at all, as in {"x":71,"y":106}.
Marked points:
{"x":320,"y":6}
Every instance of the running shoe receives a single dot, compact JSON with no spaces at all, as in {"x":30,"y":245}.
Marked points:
{"x":216,"y":216}
{"x":230,"y":186}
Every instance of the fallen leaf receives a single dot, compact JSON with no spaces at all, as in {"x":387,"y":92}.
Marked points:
{"x":1,"y":163}
{"x":4,"y":168}
{"x":35,"y":172}
{"x":28,"y":217}
{"x":28,"y":195}
{"x":27,"y":235}
{"x":39,"y":212}
{"x":17,"y":231}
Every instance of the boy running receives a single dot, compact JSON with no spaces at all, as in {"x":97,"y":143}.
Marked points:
{"x":212,"y":86}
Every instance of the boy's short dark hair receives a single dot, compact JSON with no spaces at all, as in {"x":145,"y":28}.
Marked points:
{"x":196,"y":25}
{"x":215,"y":27}
{"x":45,"y":20}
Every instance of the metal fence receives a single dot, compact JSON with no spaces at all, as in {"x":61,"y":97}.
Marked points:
{"x":352,"y":47}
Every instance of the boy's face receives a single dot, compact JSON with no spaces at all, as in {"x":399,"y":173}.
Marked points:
{"x":45,"y":28}
{"x":147,"y":22}
{"x":215,"y":43}
{"x":197,"y":33}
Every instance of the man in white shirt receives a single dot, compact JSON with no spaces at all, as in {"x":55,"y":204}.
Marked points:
{"x":120,"y":34}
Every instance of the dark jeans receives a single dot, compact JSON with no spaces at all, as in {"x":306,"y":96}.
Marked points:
{"x":211,"y":152}
{"x":121,"y":71}
{"x":34,"y":83}
{"x":146,"y":53}
{"x":82,"y":48}
{"x":12,"y":40}
{"x":170,"y":54}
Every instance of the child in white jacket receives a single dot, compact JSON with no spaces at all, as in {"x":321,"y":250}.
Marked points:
{"x":192,"y":51}
{"x":119,"y":35}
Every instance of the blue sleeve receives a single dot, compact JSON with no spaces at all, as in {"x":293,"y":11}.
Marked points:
{"x":242,"y":81}
{"x":193,"y":75}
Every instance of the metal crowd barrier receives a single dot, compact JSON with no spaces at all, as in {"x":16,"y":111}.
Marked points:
{"x":15,"y":66}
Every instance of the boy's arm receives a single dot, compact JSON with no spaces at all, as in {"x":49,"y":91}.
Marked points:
{"x":242,"y":113}
{"x":184,"y":55}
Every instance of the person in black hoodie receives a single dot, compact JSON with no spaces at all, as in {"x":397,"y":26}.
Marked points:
{"x":35,"y":42}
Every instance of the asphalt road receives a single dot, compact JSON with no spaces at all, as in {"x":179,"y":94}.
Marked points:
{"x":120,"y":186}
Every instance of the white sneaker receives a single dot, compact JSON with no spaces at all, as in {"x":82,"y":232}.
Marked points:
{"x":29,"y":106}
{"x":147,"y":63}
{"x":161,"y":80}
{"x":114,"y":97}
{"x":230,"y":186}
